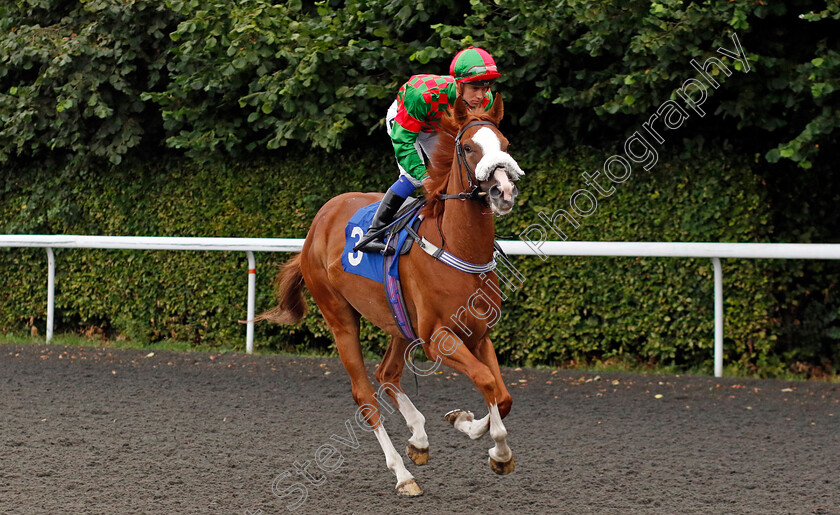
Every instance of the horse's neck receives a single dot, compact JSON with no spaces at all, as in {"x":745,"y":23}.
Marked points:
{"x":468,"y":228}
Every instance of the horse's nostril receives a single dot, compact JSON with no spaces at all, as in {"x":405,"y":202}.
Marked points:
{"x":495,"y":191}
{"x":515,"y":190}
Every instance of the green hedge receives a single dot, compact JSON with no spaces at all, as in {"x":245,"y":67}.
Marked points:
{"x":657,"y":310}
{"x":111,"y":79}
{"x":149,"y":295}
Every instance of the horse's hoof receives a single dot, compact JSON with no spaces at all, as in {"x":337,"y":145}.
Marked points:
{"x":502,"y":467}
{"x":418,"y":456}
{"x":409,"y":488}
{"x":453,"y":415}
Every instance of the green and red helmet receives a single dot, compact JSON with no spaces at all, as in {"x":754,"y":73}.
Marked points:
{"x":475,"y":66}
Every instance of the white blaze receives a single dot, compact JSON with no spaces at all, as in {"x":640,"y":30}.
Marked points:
{"x":493,"y":156}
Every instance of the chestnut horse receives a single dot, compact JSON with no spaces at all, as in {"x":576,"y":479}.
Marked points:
{"x":471,"y":151}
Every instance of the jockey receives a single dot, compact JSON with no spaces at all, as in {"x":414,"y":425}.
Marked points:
{"x":420,"y":105}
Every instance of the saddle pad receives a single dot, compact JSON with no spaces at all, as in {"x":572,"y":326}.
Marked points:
{"x":367,"y":264}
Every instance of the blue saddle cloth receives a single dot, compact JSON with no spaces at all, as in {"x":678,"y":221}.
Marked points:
{"x":367,"y":264}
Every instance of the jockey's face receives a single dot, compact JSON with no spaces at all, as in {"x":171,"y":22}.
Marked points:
{"x":472,"y":95}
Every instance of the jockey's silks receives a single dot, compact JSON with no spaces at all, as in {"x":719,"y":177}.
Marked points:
{"x":421,"y":104}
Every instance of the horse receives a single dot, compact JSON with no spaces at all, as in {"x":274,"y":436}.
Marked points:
{"x":471,"y":151}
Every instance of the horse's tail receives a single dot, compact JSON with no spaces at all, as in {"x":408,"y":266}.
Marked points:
{"x":288,"y":289}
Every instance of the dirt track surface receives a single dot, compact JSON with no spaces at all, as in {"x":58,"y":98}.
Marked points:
{"x":90,"y":430}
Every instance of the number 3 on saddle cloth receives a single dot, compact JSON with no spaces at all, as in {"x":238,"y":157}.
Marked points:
{"x":384,"y":269}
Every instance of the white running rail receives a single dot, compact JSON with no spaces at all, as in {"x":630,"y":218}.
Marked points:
{"x":714,"y":251}
{"x":247,"y":245}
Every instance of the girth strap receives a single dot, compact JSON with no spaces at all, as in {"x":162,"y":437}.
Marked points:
{"x":393,"y":292}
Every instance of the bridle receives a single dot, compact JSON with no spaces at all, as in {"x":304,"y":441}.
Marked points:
{"x":474,"y":191}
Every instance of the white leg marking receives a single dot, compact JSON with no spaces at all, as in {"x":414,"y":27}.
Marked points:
{"x":392,"y":459}
{"x":501,"y":452}
{"x":475,"y":429}
{"x":415,"y":421}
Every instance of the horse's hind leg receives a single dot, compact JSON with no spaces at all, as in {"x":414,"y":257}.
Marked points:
{"x":343,"y":321}
{"x":388,"y":374}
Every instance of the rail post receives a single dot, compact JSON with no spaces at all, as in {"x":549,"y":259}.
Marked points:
{"x":50,"y":293}
{"x":252,"y":288}
{"x":718,"y":317}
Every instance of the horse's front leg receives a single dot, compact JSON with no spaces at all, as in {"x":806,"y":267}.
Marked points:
{"x":501,"y":457}
{"x":464,"y":421}
{"x":483,"y":369}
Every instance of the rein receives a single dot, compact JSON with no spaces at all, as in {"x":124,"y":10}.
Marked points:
{"x":474,"y":192}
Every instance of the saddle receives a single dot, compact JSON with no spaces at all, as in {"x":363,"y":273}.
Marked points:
{"x":399,"y":235}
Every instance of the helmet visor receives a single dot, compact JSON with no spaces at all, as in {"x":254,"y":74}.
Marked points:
{"x":480,"y":83}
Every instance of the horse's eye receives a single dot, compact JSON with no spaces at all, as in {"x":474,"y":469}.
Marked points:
{"x":468,"y":148}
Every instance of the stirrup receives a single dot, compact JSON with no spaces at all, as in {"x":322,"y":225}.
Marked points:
{"x":377,"y":247}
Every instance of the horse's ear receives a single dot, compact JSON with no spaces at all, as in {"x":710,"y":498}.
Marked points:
{"x":497,"y":112}
{"x":460,"y":111}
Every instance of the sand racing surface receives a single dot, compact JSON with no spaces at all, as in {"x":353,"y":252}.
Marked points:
{"x":96,"y":430}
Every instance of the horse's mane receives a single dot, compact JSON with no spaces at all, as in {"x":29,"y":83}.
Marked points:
{"x":442,"y":158}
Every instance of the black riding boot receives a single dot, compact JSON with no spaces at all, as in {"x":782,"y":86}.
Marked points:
{"x":384,"y":215}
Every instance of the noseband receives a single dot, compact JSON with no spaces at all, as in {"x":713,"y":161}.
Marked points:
{"x":474,"y":191}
